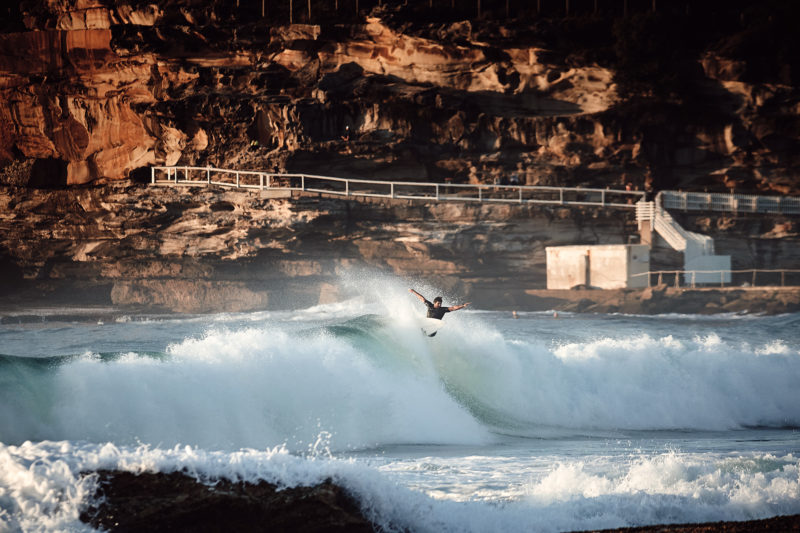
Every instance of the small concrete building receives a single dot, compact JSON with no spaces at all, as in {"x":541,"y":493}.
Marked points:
{"x":602,"y":266}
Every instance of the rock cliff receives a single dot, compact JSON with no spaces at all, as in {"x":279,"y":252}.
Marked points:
{"x":203,"y":249}
{"x":93,"y":92}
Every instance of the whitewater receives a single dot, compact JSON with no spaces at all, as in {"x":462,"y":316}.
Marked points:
{"x":535,"y":423}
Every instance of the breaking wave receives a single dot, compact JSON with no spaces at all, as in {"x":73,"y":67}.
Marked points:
{"x":375,"y":380}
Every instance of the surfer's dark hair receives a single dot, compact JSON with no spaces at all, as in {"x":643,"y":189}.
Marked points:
{"x":437,"y":299}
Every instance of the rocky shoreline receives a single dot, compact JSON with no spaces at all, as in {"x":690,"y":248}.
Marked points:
{"x":178,"y":503}
{"x":202,"y":250}
{"x":665,"y":300}
{"x":650,"y":301}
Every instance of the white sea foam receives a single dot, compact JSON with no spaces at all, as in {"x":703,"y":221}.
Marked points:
{"x":634,"y":382}
{"x":374,"y":381}
{"x":249,"y":387}
{"x":667,"y":488}
{"x":43,"y":488}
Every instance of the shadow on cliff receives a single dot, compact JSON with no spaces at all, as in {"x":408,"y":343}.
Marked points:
{"x":48,"y":173}
{"x":10,"y":273}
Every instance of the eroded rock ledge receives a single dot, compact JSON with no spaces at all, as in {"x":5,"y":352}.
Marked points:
{"x":199,"y":249}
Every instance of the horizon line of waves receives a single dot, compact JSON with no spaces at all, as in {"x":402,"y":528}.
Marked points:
{"x":48,"y":483}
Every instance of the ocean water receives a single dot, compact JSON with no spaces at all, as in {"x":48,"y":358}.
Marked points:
{"x":496,"y":424}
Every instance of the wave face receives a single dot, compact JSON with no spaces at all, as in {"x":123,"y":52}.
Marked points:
{"x":267,"y":380}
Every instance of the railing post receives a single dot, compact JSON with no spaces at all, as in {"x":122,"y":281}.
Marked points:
{"x":520,"y":195}
{"x":437,"y":192}
{"x":153,"y":175}
{"x":261,"y":181}
{"x":694,"y":273}
{"x":677,"y":278}
{"x":208,"y":176}
{"x":561,"y":196}
{"x":186,"y":173}
{"x":783,"y":278}
{"x":347,"y":187}
{"x":603,"y":198}
{"x":303,"y":182}
{"x":391,"y":189}
{"x":754,"y":277}
{"x":722,"y":278}
{"x":237,"y":179}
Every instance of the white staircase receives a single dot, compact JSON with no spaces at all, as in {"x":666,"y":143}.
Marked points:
{"x":700,"y":264}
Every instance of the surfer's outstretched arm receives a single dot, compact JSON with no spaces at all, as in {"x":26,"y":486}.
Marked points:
{"x":457,"y":307}
{"x":418,"y":295}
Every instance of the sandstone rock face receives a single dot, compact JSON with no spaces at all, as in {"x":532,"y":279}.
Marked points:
{"x":92,"y":90}
{"x":204,"y":249}
{"x":91,"y":130}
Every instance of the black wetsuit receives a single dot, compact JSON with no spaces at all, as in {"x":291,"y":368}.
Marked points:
{"x":436,"y":312}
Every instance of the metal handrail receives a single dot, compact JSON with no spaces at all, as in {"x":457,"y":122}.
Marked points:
{"x":692,"y":274}
{"x":403,"y":190}
{"x":732,"y":203}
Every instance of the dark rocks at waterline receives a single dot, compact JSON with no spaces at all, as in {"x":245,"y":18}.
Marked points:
{"x":662,"y":299}
{"x":176,"y":502}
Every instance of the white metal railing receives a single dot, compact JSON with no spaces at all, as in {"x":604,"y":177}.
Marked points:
{"x":669,"y":229}
{"x":732,"y":203}
{"x":645,"y":211}
{"x":746,"y":277}
{"x":408,"y":190}
{"x":676,"y":236}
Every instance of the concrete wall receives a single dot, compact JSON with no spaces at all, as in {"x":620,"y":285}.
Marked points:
{"x":638,"y":263}
{"x":609,"y":266}
{"x":567,"y":266}
{"x":708,"y":263}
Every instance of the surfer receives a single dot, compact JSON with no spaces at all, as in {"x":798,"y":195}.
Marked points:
{"x":435,"y":309}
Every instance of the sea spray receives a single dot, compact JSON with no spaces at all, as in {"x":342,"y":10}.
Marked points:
{"x":245,"y":388}
{"x":374,"y":380}
{"x":44,"y":486}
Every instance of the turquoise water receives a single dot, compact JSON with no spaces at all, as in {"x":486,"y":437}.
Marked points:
{"x":529,"y":424}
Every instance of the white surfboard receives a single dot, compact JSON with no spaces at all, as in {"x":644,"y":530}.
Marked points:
{"x":430,"y":326}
